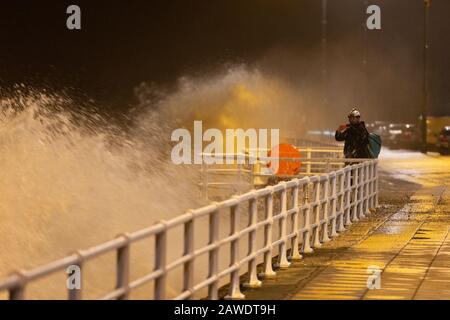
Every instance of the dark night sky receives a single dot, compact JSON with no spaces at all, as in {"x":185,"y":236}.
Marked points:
{"x":125,"y":42}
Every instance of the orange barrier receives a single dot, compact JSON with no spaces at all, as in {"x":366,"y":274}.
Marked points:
{"x":286,"y":167}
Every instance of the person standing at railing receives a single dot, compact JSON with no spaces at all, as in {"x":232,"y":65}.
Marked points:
{"x":355,"y":135}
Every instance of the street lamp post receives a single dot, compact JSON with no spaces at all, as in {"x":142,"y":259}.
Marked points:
{"x":364,"y":92}
{"x":324,"y":52}
{"x":424,"y":114}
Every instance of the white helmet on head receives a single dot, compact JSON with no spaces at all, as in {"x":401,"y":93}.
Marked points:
{"x":354,"y":113}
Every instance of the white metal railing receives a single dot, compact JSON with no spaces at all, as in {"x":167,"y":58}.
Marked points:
{"x":311,"y":211}
{"x":253,"y":173}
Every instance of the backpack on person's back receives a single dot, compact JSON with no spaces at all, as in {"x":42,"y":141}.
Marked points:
{"x":374,"y":145}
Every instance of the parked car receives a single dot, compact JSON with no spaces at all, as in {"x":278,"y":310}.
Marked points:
{"x":443,"y":141}
{"x":402,"y":135}
{"x":379,"y":127}
{"x":434,"y":127}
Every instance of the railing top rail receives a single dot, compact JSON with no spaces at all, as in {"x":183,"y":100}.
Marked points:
{"x":264,"y":158}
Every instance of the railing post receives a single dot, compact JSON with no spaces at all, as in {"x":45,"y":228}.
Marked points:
{"x":342,"y":195}
{"x":253,"y":281}
{"x":361,"y":187}
{"x":213,"y":261}
{"x":234,"y":291}
{"x":376,"y":185}
{"x":252,"y":175}
{"x":268,"y":270}
{"x":123,"y":267}
{"x":325,"y":237}
{"x":306,"y":246}
{"x":18,"y":292}
{"x":160,"y":262}
{"x":363,"y":191}
{"x":282,"y":261}
{"x":239,"y":178}
{"x":308,"y":159}
{"x":295,"y":252}
{"x":76,"y":293}
{"x":348,"y":196}
{"x":316,"y":241}
{"x":355,"y":187}
{"x":367,"y":184}
{"x":204,"y":181}
{"x":334,"y":216}
{"x":188,"y":268}
{"x":372,"y":185}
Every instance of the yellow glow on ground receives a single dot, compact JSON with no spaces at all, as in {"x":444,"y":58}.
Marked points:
{"x":412,"y":248}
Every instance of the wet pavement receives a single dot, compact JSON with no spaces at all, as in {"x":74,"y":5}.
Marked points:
{"x":402,"y":251}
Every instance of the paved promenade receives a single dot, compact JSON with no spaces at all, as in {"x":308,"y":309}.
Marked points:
{"x":402,"y":250}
